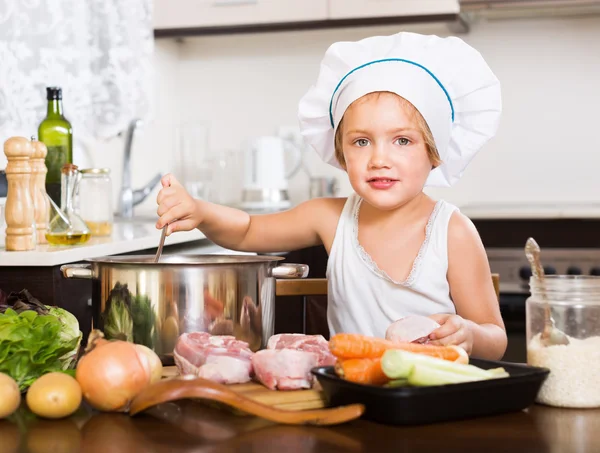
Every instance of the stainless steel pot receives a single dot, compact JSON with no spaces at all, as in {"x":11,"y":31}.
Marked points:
{"x":150,"y":303}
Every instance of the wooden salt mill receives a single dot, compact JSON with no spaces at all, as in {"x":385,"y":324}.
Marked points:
{"x":19,"y":206}
{"x":41,"y":206}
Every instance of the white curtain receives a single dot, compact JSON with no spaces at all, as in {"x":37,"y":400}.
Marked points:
{"x":98,"y":51}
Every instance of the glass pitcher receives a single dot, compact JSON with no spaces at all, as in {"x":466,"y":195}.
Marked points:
{"x":65,"y":226}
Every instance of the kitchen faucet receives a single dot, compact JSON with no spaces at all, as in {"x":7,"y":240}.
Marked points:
{"x":128,"y":197}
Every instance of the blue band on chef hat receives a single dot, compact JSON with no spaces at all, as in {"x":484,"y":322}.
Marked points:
{"x":385,"y":60}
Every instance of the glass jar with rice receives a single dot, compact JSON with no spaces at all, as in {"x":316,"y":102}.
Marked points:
{"x":574,"y":302}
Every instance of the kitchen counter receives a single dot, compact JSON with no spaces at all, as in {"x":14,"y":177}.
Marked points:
{"x":532,"y":211}
{"x":126,"y":237}
{"x":190,"y":427}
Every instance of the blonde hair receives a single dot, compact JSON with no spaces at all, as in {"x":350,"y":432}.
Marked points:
{"x":432,"y":152}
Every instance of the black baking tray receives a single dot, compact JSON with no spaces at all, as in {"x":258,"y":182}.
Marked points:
{"x":424,"y":405}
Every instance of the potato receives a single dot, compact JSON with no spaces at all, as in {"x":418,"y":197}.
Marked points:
{"x":10,"y":396}
{"x":54,"y":395}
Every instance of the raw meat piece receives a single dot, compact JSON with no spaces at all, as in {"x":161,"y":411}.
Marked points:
{"x":220,"y":358}
{"x":282,"y":340}
{"x":196,"y":346}
{"x":225,"y":369}
{"x":411,"y":329}
{"x":316,"y":344}
{"x":284,"y":369}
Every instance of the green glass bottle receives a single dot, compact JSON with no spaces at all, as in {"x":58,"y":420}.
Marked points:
{"x":56,"y":133}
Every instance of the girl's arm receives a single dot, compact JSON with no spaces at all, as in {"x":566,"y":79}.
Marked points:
{"x":300,"y":227}
{"x":481,"y":328}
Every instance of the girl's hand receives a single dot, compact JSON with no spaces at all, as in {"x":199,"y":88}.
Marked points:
{"x":176,"y":207}
{"x":453,"y":330}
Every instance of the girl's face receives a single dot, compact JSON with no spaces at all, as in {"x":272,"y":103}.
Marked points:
{"x":385,"y":153}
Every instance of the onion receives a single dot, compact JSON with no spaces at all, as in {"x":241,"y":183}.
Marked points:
{"x":153,"y":361}
{"x":112,"y":373}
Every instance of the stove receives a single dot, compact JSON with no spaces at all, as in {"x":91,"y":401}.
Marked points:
{"x":515,"y":271}
{"x":570,"y":246}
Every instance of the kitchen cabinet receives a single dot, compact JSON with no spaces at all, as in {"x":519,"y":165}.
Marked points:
{"x":173,"y":14}
{"x":177,"y":18}
{"x":352,"y":9}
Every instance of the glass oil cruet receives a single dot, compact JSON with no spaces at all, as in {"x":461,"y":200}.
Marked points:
{"x":66,"y":227}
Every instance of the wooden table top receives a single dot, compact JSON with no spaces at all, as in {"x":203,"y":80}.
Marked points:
{"x":187,"y":427}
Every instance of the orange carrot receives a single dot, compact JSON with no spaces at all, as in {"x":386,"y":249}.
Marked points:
{"x":355,"y":346}
{"x":361,"y":371}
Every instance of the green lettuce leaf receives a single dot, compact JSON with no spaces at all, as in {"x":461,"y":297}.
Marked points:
{"x":32,"y":345}
{"x":69,"y":332}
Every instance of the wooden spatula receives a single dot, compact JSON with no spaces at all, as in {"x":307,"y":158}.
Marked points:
{"x":194,"y":387}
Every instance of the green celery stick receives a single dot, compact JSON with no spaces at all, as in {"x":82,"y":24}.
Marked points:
{"x":423,"y":375}
{"x":398,"y":364}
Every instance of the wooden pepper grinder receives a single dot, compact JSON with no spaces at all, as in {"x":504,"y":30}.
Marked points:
{"x":19,"y":207}
{"x":37,"y":183}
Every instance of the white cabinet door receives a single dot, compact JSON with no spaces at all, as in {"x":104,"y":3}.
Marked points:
{"x":214,"y":13}
{"x":354,"y":9}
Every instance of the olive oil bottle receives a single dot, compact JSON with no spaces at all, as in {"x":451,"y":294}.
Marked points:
{"x":56,"y":133}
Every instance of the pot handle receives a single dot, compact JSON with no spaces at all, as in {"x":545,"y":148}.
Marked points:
{"x":76,"y":271}
{"x":290,"y":270}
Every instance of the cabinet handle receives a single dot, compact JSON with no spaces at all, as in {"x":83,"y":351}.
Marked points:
{"x":234,"y":2}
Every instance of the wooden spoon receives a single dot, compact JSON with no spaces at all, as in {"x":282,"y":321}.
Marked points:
{"x":550,"y":335}
{"x":193,"y":387}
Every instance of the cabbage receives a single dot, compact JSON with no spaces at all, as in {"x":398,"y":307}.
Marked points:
{"x":69,"y":332}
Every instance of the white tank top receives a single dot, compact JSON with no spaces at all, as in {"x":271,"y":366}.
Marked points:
{"x":364,"y":299}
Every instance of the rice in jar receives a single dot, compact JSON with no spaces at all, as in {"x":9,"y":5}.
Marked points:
{"x":574,"y":301}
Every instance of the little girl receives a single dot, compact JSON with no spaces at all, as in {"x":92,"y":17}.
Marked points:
{"x":397,"y":113}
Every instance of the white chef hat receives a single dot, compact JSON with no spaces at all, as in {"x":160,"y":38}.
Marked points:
{"x":446,"y":80}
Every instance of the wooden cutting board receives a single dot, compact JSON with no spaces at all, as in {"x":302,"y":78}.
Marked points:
{"x":280,"y":399}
